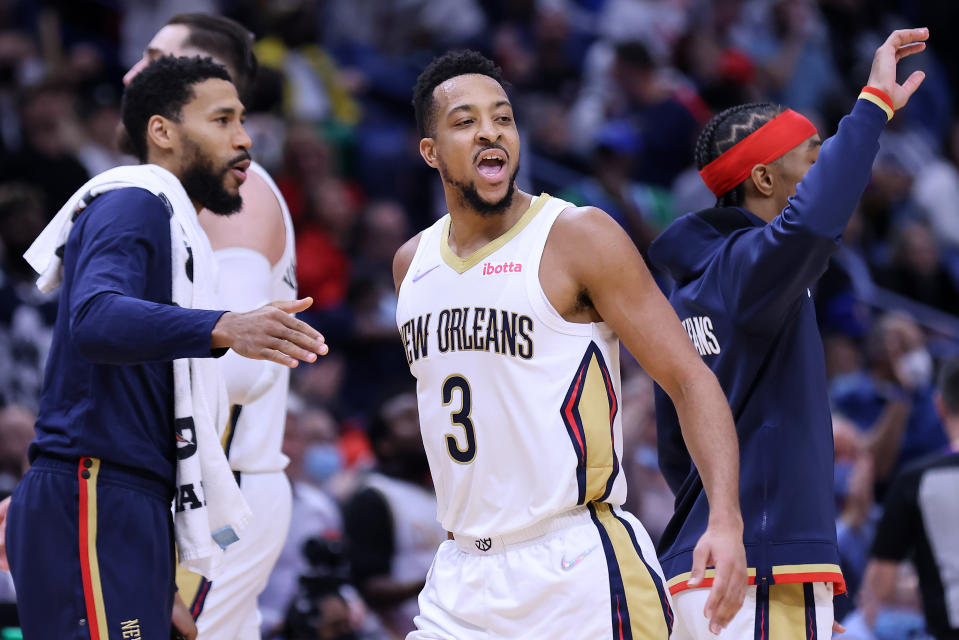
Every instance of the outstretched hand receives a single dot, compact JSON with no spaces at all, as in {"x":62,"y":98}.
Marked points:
{"x":271,"y":333}
{"x":899,"y":44}
{"x":721,"y":546}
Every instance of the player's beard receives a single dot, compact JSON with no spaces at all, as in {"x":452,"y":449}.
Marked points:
{"x":471,"y":196}
{"x":205,"y":184}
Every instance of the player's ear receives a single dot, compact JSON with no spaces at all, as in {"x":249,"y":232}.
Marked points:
{"x":160,"y":132}
{"x":762,"y":179}
{"x":428,"y":151}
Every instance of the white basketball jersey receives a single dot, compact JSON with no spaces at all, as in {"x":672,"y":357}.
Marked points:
{"x":519,"y":409}
{"x":254,"y":437}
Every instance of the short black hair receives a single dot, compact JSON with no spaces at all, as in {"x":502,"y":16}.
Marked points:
{"x":948,"y":384}
{"x":226,"y":40}
{"x":162,"y":88}
{"x":723,"y":131}
{"x":441,"y":69}
{"x":635,"y":54}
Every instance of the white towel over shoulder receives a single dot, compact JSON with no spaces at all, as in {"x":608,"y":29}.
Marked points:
{"x":210,"y":510}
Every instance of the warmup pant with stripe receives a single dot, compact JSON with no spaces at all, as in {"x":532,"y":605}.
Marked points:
{"x":91,"y":552}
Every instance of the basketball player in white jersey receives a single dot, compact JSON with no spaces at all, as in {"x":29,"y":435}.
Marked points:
{"x":255,"y":254}
{"x":510,"y":311}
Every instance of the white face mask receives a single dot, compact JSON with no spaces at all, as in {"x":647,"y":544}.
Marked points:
{"x":915,"y":367}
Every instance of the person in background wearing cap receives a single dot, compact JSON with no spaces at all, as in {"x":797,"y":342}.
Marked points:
{"x":743,"y":272}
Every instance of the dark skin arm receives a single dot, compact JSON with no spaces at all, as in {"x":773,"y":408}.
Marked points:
{"x":592,"y":272}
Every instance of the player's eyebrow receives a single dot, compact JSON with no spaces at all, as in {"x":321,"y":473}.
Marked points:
{"x":815,"y":142}
{"x":470,"y":107}
{"x":227,"y":111}
{"x":153,"y":52}
{"x":461,"y":107}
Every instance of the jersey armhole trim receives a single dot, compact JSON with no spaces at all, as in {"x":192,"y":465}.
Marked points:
{"x":426,"y":236}
{"x":538,"y":300}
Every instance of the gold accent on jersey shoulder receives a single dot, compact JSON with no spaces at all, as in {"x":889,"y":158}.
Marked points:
{"x":462,"y":265}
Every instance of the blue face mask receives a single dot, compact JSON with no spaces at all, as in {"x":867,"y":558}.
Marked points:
{"x":322,"y":461}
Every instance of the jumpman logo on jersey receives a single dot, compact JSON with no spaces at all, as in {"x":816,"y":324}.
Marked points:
{"x":421,"y":274}
{"x":569,"y":564}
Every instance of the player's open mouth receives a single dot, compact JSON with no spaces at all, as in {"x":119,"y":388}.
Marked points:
{"x":491,"y":165}
{"x":239,"y":170}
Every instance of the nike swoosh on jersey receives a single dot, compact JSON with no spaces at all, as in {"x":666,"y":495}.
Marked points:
{"x":421,"y":274}
{"x":569,"y":564}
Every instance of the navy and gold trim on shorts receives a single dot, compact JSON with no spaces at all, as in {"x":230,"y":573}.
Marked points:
{"x":193,"y":589}
{"x":588,"y":411}
{"x":785,"y":612}
{"x":638,"y":604}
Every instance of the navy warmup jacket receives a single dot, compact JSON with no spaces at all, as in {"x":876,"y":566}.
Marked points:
{"x":108,"y":385}
{"x":742,"y":293}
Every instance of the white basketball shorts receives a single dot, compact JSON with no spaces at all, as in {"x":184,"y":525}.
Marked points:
{"x":587,"y":573}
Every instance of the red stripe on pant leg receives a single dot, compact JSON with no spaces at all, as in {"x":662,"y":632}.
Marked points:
{"x":84,"y":526}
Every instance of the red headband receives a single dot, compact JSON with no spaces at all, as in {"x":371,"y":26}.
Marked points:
{"x":765,"y":144}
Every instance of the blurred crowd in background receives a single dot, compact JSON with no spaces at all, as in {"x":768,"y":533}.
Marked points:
{"x":610,"y":96}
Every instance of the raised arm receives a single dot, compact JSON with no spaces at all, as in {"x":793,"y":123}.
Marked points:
{"x":598,"y":261}
{"x":778,"y":262}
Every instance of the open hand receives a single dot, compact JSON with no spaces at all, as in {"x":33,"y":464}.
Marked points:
{"x":721,"y":546}
{"x":899,"y":44}
{"x":271,"y":333}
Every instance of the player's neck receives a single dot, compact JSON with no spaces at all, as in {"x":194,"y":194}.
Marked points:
{"x":470,"y":230}
{"x":763,"y":207}
{"x":167,"y":162}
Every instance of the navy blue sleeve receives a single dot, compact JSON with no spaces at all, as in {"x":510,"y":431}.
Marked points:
{"x":774,"y":264}
{"x":121,"y":310}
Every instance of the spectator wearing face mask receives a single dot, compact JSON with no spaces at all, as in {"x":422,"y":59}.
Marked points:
{"x":310,"y":441}
{"x":892,"y":402}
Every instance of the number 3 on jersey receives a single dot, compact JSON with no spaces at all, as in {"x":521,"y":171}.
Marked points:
{"x":460,"y":417}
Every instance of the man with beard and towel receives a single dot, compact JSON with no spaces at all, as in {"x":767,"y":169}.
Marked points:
{"x":255,"y":253}
{"x":132,"y":396}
